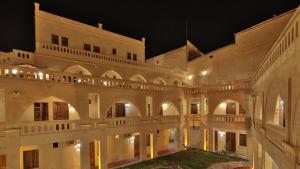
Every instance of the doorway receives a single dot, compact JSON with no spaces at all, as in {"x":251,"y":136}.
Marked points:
{"x":231,"y":142}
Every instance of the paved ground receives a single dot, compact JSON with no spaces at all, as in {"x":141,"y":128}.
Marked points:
{"x":232,"y":165}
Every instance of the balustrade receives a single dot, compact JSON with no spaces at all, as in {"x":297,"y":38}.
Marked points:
{"x":276,"y":134}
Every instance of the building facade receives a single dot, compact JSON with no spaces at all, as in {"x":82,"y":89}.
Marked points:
{"x":88,"y":99}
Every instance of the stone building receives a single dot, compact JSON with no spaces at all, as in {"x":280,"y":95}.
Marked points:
{"x":88,"y":99}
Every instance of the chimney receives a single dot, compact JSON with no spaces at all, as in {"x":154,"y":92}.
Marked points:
{"x":100,"y":25}
{"x":36,"y":6}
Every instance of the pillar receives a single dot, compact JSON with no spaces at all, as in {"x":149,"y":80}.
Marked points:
{"x":84,"y":153}
{"x":155,"y":144}
{"x":103,"y":152}
{"x":13,"y":149}
{"x":143,"y":146}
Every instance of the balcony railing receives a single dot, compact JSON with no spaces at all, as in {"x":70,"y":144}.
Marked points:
{"x":136,"y":121}
{"x":40,"y":127}
{"x":48,"y":76}
{"x":285,"y":42}
{"x":97,"y":56}
{"x":276,"y":134}
{"x":230,"y":118}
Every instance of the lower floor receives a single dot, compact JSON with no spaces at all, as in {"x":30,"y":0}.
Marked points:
{"x":119,"y":149}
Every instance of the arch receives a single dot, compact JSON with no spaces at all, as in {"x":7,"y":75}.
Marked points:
{"x":279,"y":116}
{"x":77,"y":70}
{"x":138,"y":78}
{"x":229,"y":107}
{"x":45,"y":107}
{"x":112,"y":74}
{"x":160,"y":81}
{"x":168,"y":109}
{"x":258,"y":108}
{"x":123,"y":108}
{"x":28,"y":66}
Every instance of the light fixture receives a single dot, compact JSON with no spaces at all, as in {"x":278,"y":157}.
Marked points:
{"x":41,"y":74}
{"x":105,"y":83}
{"x":165,"y":106}
{"x":223,"y":104}
{"x":77,"y":146}
{"x":79,"y":80}
{"x":14,"y":71}
{"x":117,"y":136}
{"x":131,"y":139}
{"x":198,"y":105}
{"x":281,"y":102}
{"x":190,"y":77}
{"x":222,"y":133}
{"x":127,"y":105}
{"x":204,"y":72}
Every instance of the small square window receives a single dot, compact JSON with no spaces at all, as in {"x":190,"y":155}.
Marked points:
{"x":87,"y":47}
{"x":134,"y":57}
{"x":64,"y":41}
{"x":129,"y":56}
{"x":114,"y":51}
{"x":54,"y":39}
{"x":96,"y":49}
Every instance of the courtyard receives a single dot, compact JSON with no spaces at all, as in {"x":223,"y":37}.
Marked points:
{"x":190,"y":159}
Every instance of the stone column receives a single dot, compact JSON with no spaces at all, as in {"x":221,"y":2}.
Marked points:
{"x":103,"y":152}
{"x":155,"y":144}
{"x":180,"y":134}
{"x":13,"y":149}
{"x":84,"y":154}
{"x":143,"y":146}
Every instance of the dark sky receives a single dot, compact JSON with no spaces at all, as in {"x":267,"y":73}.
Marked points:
{"x":211,"y":23}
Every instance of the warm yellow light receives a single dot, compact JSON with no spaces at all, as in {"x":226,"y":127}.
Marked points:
{"x":190,"y":77}
{"x":223,"y":105}
{"x":204,"y":72}
{"x":165,"y":106}
{"x":14,"y":71}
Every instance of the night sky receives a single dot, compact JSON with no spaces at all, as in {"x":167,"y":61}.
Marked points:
{"x":211,"y":23}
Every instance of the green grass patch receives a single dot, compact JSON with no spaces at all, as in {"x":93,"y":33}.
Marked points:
{"x":190,"y":159}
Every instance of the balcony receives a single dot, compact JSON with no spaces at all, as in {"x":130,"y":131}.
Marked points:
{"x":42,"y":127}
{"x":277,"y":135}
{"x":32,"y":74}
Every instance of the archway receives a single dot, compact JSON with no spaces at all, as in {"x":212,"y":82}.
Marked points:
{"x":160,"y":81}
{"x":168,"y":109}
{"x":258,"y":108}
{"x":138,"y":78}
{"x":50,"y":109}
{"x":123,"y":108}
{"x":77,"y":70}
{"x":279,"y":117}
{"x":229,"y":107}
{"x":112,"y":74}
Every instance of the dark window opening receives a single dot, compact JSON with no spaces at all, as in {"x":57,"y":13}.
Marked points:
{"x":129,"y":56}
{"x":87,"y":47}
{"x":64,"y":41}
{"x":114,"y":51}
{"x":96,"y":49}
{"x":55,"y":39}
{"x":134,"y":57}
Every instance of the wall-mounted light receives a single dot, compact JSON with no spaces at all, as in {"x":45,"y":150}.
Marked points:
{"x":131,"y":139}
{"x":41,"y":75}
{"x":105,"y":83}
{"x":117,"y":136}
{"x":204,"y":72}
{"x":222,"y":133}
{"x":78,"y":146}
{"x":165,"y":106}
{"x":190,"y":77}
{"x":127,"y":105}
{"x":79,"y":80}
{"x":223,"y":105}
{"x":14,"y":71}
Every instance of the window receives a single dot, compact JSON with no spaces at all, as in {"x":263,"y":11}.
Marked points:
{"x":54,"y":39}
{"x":31,"y":159}
{"x":129,"y":56}
{"x":41,"y":111}
{"x":134,"y":57}
{"x":60,"y":111}
{"x":96,"y":49}
{"x":64,"y":41}
{"x":87,"y":47}
{"x":114,"y":51}
{"x":243,"y":140}
{"x":120,"y":110}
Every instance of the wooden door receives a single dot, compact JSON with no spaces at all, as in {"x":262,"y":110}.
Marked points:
{"x":231,"y":108}
{"x":120,"y":110}
{"x":92,"y":155}
{"x":230,"y":141}
{"x":60,"y":111}
{"x":136,"y":146}
{"x":216,"y":141}
{"x":194,"y":109}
